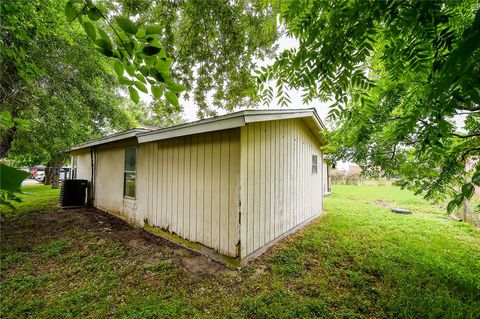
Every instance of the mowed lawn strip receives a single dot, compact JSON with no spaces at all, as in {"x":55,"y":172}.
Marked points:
{"x":358,"y":260}
{"x":35,"y":198}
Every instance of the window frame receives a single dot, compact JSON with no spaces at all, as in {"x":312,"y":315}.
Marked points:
{"x":314,"y":164}
{"x":125,"y":172}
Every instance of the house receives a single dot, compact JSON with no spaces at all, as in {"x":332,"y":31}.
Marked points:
{"x":228,"y":186}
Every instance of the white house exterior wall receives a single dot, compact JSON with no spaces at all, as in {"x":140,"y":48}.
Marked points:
{"x":108,"y":185}
{"x":278,"y":189}
{"x":84,"y":167}
{"x":189,"y":186}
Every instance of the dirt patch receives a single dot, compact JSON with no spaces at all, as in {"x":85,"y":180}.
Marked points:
{"x":26,"y":231}
{"x":383,"y":203}
{"x":201,"y":265}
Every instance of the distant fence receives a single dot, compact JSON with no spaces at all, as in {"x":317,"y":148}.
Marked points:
{"x":469,"y":211}
{"x":347,"y":180}
{"x":358,"y":180}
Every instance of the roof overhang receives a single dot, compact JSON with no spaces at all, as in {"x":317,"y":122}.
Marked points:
{"x":234,"y":120}
{"x":223,"y":122}
{"x":203,"y":126}
{"x":110,"y":138}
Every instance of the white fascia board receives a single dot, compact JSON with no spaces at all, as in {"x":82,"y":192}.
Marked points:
{"x":107,"y":139}
{"x":193,"y":128}
{"x":259,"y":116}
{"x":251,"y":117}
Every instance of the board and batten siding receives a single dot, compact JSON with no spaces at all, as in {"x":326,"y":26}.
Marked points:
{"x":190,"y":186}
{"x":278,"y":189}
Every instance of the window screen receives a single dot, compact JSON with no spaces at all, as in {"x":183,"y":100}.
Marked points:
{"x":314,"y":164}
{"x":130,"y":172}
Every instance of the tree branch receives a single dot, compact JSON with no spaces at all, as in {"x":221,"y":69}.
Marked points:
{"x":394,"y":152}
{"x":465,"y":136}
{"x":182,"y":46}
{"x":468,"y":152}
{"x":120,"y":38}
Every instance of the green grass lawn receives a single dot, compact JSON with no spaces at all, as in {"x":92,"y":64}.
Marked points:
{"x":35,"y":198}
{"x":357,"y":261}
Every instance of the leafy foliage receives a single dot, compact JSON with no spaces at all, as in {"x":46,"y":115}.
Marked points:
{"x":213,"y":46}
{"x":52,"y":79}
{"x":10,"y":181}
{"x":140,"y":59}
{"x":404,"y":76}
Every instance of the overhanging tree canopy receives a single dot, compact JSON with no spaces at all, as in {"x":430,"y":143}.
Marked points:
{"x":403,"y":74}
{"x":213,"y":44}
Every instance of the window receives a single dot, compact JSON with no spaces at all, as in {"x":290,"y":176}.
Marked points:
{"x":314,"y":164}
{"x":130,"y":172}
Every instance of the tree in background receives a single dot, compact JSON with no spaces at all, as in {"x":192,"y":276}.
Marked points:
{"x":213,"y":44}
{"x":405,"y":78}
{"x":52,"y":79}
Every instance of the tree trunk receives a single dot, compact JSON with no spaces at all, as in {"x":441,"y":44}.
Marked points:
{"x":52,"y":175}
{"x":466,"y":209}
{"x":55,"y":179}
{"x":47,"y":178}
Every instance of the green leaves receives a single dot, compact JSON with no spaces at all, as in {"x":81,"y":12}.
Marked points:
{"x":133,"y":94}
{"x":163,"y":65}
{"x":395,"y":81}
{"x":141,"y":87}
{"x":130,"y":69}
{"x":118,"y":68}
{"x":467,"y":190}
{"x":94,"y":14}
{"x":104,"y":36}
{"x":103,"y":44}
{"x":90,"y":30}
{"x":459,"y":199}
{"x":172,"y":98}
{"x":150,"y":50}
{"x":11,"y":178}
{"x":154,"y":29}
{"x":6,"y":120}
{"x":476,"y":179}
{"x":70,"y":12}
{"x":451,"y":206}
{"x":137,"y":51}
{"x":157,"y":92}
{"x":174,"y":87}
{"x":127,"y":25}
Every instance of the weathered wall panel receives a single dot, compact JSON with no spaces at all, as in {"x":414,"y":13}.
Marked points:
{"x":191,"y":187}
{"x":278,"y":189}
{"x":108,"y":178}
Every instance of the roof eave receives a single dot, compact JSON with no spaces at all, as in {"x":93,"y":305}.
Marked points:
{"x":224,"y":122}
{"x":193,"y":128}
{"x":107,"y":139}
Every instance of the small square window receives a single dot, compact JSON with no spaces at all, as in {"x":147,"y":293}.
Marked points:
{"x":130,"y":172}
{"x":314,"y":164}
